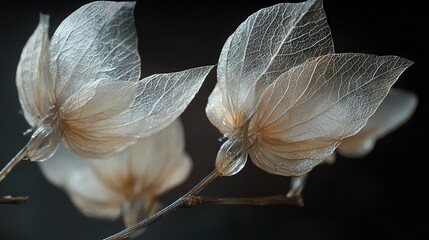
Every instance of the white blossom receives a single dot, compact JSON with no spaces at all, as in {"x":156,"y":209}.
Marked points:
{"x":285,"y":98}
{"x":82,"y":87}
{"x":128,"y":184}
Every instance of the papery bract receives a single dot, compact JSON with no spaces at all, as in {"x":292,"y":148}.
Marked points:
{"x":286,"y":97}
{"x":84,"y":87}
{"x":129,"y":183}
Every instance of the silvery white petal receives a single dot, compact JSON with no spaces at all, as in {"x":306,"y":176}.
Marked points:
{"x":32,"y":75}
{"x":97,"y":42}
{"x":267,"y":44}
{"x":304,"y":114}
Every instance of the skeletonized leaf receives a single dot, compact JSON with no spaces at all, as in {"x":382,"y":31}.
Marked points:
{"x":97,"y":42}
{"x":396,"y":109}
{"x":104,"y":110}
{"x":303,"y":115}
{"x":88,"y":96}
{"x":268,"y":43}
{"x":160,"y":100}
{"x":84,"y":111}
{"x":32,"y":75}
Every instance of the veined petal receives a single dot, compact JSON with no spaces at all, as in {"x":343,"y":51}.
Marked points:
{"x":395,"y":110}
{"x":217,"y":113}
{"x":83,"y":111}
{"x":274,"y":164}
{"x":96,"y":144}
{"x":160,"y":99}
{"x":97,"y":42}
{"x":99,"y":101}
{"x":32,"y":75}
{"x":268,"y":43}
{"x":306,"y":112}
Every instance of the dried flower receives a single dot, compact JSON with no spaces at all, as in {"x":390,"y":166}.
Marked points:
{"x":129,"y":183}
{"x":82,"y":88}
{"x":284,"y":97}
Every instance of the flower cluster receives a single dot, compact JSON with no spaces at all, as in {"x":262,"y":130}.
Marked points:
{"x":284,"y":97}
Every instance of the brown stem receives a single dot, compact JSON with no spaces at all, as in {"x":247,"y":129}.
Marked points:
{"x":167,"y":210}
{"x":203,"y":183}
{"x":192,"y":201}
{"x":12,"y":163}
{"x":13,"y":200}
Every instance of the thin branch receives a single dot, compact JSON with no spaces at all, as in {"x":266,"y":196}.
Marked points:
{"x":190,"y":199}
{"x":13,"y":200}
{"x":193,"y":201}
{"x":167,"y":210}
{"x":12,"y":163}
{"x":203,"y":183}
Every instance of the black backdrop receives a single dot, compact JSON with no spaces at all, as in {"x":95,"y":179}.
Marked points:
{"x":380,"y":196}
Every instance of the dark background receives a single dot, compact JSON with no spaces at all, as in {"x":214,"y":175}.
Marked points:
{"x":382,"y":196}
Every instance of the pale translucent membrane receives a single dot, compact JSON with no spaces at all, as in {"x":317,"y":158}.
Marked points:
{"x":32,"y":75}
{"x":129,"y":183}
{"x":266,"y":44}
{"x":130,"y":111}
{"x":149,"y":165}
{"x":81,"y":133}
{"x":71,"y":173}
{"x":396,"y":109}
{"x":91,"y":195}
{"x":88,"y":77}
{"x":177,"y":176}
{"x":217,"y":113}
{"x":160,"y":99}
{"x":63,"y":163}
{"x":292,"y":166}
{"x":97,"y":42}
{"x":278,"y":69}
{"x":304,"y":114}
